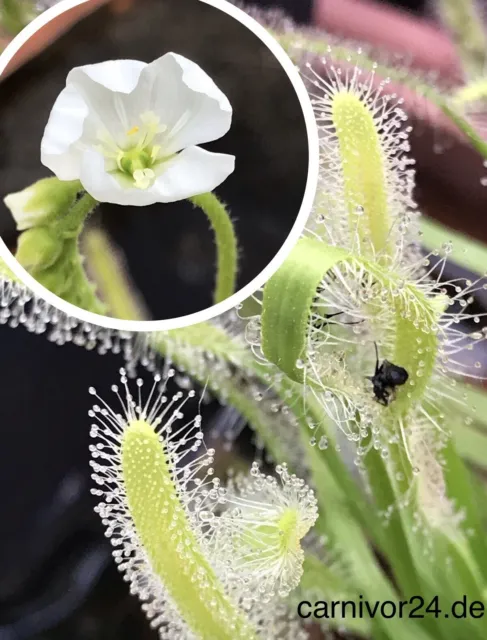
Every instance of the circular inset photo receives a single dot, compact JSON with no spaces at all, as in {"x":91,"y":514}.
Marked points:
{"x":159,"y":158}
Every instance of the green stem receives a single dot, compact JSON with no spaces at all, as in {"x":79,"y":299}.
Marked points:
{"x":226,"y":244}
{"x":106,"y":265}
{"x":71,"y":224}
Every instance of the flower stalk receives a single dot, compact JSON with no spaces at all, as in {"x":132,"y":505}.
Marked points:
{"x":226,"y":244}
{"x":72,"y":223}
{"x":108,"y":268}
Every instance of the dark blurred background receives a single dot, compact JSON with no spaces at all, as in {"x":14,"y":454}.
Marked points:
{"x":57,"y":580}
{"x":169,"y":247}
{"x":301,"y":10}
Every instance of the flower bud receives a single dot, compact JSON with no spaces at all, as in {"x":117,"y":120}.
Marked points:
{"x":38,"y":248}
{"x":42,"y":202}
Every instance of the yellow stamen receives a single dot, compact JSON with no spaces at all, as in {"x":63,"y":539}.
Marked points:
{"x":133,"y":130}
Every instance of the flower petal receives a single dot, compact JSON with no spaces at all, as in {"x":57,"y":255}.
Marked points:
{"x":187,"y":101}
{"x":192,"y":172}
{"x":59,"y":151}
{"x":104,"y":88}
{"x":94,"y":93}
{"x":114,"y":75}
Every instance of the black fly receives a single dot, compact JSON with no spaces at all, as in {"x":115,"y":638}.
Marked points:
{"x":386,"y":378}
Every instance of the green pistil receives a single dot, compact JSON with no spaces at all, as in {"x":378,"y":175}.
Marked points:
{"x":137,"y":164}
{"x":134,"y":160}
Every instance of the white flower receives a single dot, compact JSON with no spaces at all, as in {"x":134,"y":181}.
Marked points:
{"x":127,"y":130}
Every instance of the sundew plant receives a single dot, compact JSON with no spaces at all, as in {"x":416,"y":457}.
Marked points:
{"x":357,"y":367}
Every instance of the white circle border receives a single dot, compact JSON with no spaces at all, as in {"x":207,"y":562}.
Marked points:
{"x":305,"y":209}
